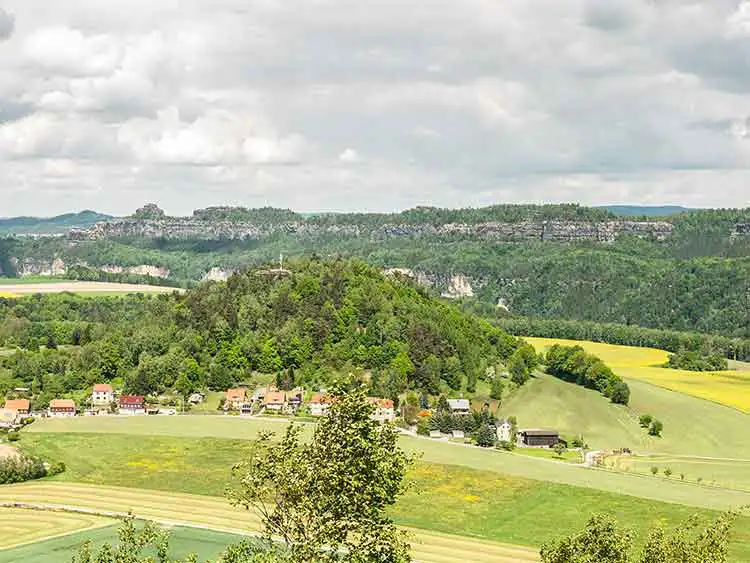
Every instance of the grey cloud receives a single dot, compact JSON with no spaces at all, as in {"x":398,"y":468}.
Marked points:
{"x":7,"y":24}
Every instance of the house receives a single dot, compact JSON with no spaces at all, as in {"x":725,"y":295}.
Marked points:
{"x":536,"y":438}
{"x":460,"y":406}
{"x":246,"y":408}
{"x":384,"y":411}
{"x":235,"y":398}
{"x":505,"y":431}
{"x":132,"y":404}
{"x":8,"y":418}
{"x":102,"y":395}
{"x":62,"y":407}
{"x":319,"y":405}
{"x":275,"y":401}
{"x":196,"y":398}
{"x":21,"y":406}
{"x":294,"y":398}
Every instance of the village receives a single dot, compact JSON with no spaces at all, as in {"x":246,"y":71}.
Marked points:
{"x":269,"y":401}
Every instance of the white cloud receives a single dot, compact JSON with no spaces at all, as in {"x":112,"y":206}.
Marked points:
{"x":349,"y":156}
{"x":453,"y":103}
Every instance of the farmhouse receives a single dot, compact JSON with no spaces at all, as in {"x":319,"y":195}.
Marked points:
{"x":459,"y":406}
{"x":536,"y":438}
{"x":294,"y":398}
{"x":102,"y":395}
{"x":383,"y":409}
{"x":275,"y":401}
{"x":235,"y":398}
{"x":132,"y":404}
{"x":21,"y":406}
{"x":62,"y":407}
{"x":505,"y":431}
{"x":319,"y":405}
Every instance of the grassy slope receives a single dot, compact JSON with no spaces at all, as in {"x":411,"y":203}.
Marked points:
{"x":207,"y":543}
{"x":69,"y":446}
{"x":731,"y":388}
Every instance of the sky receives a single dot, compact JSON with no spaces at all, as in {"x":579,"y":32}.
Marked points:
{"x":376,"y":105}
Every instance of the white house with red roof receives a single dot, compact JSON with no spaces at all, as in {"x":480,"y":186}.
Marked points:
{"x":102,"y":395}
{"x":319,"y":404}
{"x":132,"y":404}
{"x":384,"y":411}
{"x":62,"y":407}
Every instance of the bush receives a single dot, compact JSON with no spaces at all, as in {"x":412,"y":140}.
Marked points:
{"x":505,"y":445}
{"x":654,"y":470}
{"x":486,"y":436}
{"x":56,"y":468}
{"x":645,"y":420}
{"x":423,"y":427}
{"x":13,"y":436}
{"x":656,"y":428}
{"x":28,"y":420}
{"x":16,"y":469}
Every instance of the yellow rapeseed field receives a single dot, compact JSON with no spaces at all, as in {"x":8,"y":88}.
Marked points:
{"x":731,"y":388}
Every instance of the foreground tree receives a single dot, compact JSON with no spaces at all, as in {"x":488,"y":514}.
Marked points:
{"x":602,"y":541}
{"x":327,"y":498}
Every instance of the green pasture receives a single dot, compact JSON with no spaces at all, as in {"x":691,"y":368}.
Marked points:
{"x":447,"y":498}
{"x":62,"y":439}
{"x":32,"y":280}
{"x":184,"y":541}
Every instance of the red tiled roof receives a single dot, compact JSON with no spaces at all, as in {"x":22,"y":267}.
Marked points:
{"x":382,"y":403}
{"x":132,"y":400}
{"x":102,"y":388}
{"x":319,"y":398}
{"x":275,"y":398}
{"x":236,"y":394}
{"x":17,"y":404}
{"x":62,"y":404}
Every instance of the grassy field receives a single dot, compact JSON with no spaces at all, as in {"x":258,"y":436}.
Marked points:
{"x":216,"y":513}
{"x":184,"y":541}
{"x":91,"y":453}
{"x":92,"y":289}
{"x":18,"y":526}
{"x":731,"y":388}
{"x":29,"y":280}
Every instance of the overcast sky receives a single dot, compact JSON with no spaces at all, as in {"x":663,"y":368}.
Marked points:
{"x":375,"y":105}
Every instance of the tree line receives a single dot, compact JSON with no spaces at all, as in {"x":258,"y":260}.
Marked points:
{"x":627,"y":335}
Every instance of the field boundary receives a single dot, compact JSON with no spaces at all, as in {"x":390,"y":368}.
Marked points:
{"x":427,"y":546}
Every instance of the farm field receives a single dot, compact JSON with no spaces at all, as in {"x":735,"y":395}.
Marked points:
{"x":184,"y":541}
{"x":100,"y":289}
{"x":19,"y":526}
{"x":731,"y":388}
{"x":92,"y":453}
{"x":216,"y":513}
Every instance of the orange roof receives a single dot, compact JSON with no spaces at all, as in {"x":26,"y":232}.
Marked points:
{"x":382,"y":403}
{"x":236,"y":394}
{"x":62,"y":404}
{"x":102,"y":388}
{"x":275,"y":398}
{"x":320,"y":398}
{"x":17,"y":404}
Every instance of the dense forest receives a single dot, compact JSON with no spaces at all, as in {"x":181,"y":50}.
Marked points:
{"x":695,"y":280}
{"x":318,"y":319}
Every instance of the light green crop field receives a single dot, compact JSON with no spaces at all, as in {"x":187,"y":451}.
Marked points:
{"x":731,"y":388}
{"x":31,"y":280}
{"x":208,"y":544}
{"x":89,"y":289}
{"x":58,"y":439}
{"x":18,"y":526}
{"x":216,"y":513}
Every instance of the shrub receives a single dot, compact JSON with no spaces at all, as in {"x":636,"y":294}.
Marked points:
{"x":654,"y":470}
{"x":56,"y":468}
{"x":645,"y":420}
{"x":505,"y":445}
{"x":656,"y":428}
{"x":668,"y":472}
{"x":28,"y":420}
{"x":13,"y":436}
{"x":18,"y":468}
{"x":486,"y":436}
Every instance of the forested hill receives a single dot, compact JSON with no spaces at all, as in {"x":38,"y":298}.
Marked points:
{"x":61,"y":224}
{"x":316,"y":320}
{"x":689,"y":271}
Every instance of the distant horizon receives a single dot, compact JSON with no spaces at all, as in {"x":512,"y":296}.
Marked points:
{"x":611,"y":207}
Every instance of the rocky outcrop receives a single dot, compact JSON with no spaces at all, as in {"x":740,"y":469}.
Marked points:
{"x":217,"y":274}
{"x":550,"y":231}
{"x":458,"y":286}
{"x":28,"y":267}
{"x":142,"y":270}
{"x":451,"y":286}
